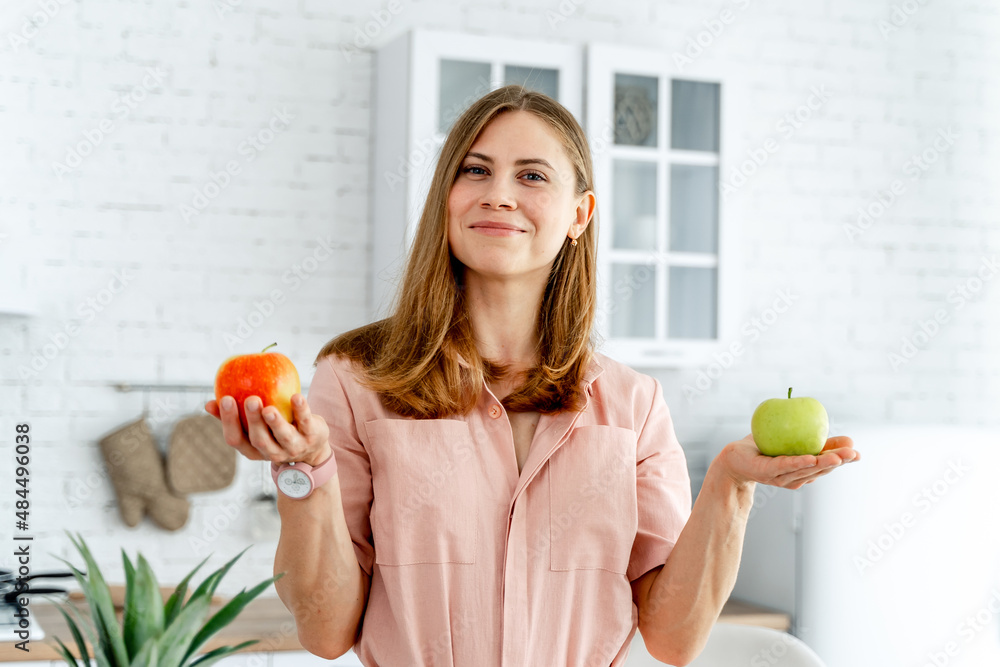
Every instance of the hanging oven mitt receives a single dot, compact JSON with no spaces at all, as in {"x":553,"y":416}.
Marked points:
{"x":198,"y":458}
{"x":136,"y":468}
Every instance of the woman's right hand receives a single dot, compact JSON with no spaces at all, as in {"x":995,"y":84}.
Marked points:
{"x":269,"y":436}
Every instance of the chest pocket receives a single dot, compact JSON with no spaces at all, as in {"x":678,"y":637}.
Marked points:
{"x":592,"y":498}
{"x":424,"y":485}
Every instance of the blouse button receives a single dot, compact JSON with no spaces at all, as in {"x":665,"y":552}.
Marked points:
{"x":495,"y":411}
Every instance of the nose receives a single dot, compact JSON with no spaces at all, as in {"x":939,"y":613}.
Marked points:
{"x":497,"y":194}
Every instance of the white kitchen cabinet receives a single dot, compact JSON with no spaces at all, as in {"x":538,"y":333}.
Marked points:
{"x":666,"y":256}
{"x":424,"y":79}
{"x":660,"y":139}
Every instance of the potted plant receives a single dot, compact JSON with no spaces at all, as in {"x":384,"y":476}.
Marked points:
{"x":151,"y":633}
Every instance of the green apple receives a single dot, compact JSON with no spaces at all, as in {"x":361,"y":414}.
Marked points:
{"x":790,"y":426}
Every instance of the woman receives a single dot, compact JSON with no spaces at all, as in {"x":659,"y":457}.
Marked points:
{"x":503,"y":494}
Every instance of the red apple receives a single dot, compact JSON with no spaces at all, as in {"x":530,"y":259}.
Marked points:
{"x":271,"y":376}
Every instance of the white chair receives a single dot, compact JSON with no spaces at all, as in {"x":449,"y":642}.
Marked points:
{"x":733,"y":645}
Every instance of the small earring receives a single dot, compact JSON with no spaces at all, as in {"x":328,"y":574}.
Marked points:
{"x":573,"y":243}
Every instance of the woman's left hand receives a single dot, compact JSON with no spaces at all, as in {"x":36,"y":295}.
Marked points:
{"x":744,"y":463}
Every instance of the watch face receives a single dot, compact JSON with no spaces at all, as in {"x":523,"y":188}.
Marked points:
{"x":294,"y":483}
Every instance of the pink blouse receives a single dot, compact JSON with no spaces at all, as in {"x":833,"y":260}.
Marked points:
{"x":475,"y":564}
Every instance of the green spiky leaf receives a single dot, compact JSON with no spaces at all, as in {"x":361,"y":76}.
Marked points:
{"x":143,"y":615}
{"x":67,"y":656}
{"x":152,"y":633}
{"x":77,"y":637}
{"x":148,"y":656}
{"x":176,"y":600}
{"x":208,"y":586}
{"x":177,"y":637}
{"x":218,"y":654}
{"x":110,"y":646}
{"x":229,"y":611}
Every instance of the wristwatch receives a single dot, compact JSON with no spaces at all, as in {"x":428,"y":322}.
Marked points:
{"x":299,"y":479}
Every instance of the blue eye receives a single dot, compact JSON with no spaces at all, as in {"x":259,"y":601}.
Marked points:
{"x":481,"y":171}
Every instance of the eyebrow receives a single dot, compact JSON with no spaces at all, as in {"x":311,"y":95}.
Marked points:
{"x":517,"y":163}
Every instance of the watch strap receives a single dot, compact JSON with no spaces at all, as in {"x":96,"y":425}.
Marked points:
{"x":319,"y":475}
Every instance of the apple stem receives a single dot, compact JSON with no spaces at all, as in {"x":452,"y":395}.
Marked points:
{"x":273,"y":344}
{"x":789,"y":392}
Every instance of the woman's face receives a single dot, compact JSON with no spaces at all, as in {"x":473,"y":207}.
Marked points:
{"x":516,"y":174}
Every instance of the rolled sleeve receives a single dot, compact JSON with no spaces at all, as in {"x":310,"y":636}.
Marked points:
{"x":663,"y":489}
{"x":329,"y":399}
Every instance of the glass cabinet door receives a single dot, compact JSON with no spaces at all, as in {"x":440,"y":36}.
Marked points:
{"x":660,"y":233}
{"x":636,"y":110}
{"x":542,"y":79}
{"x":462,"y":82}
{"x":634,"y":209}
{"x":694,"y":208}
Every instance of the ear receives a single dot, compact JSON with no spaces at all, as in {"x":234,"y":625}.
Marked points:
{"x":584,"y":212}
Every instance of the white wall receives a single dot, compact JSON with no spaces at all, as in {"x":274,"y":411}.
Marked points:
{"x":204,"y":77}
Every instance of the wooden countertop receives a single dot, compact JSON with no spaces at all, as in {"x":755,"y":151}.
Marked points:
{"x":745,"y":613}
{"x":267,"y":620}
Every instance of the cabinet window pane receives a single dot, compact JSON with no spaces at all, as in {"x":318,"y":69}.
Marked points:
{"x":533,"y":78}
{"x":633,"y":300}
{"x":462,"y":83}
{"x":694,"y":118}
{"x":694,"y":208}
{"x":636,"y":110}
{"x":634,"y":205}
{"x":692,"y":302}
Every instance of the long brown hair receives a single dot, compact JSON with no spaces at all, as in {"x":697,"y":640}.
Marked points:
{"x":412,"y":358}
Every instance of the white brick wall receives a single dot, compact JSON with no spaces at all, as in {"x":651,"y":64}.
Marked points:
{"x":223,"y":78}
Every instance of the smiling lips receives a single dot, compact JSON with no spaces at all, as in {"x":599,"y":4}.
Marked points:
{"x":493,"y":228}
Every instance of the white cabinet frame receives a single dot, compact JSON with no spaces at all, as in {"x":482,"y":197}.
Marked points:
{"x":603,"y":62}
